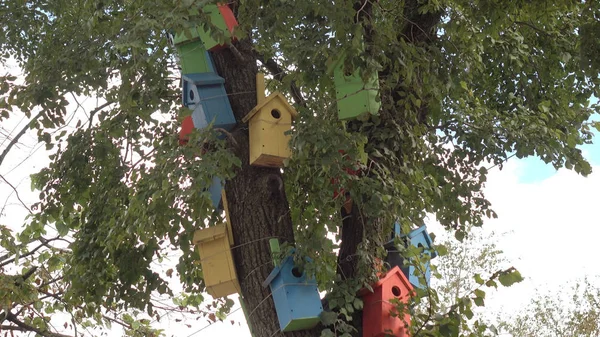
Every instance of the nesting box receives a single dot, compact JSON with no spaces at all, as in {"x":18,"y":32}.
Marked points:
{"x":355,"y":96}
{"x":218,"y":268}
{"x":215,"y":189}
{"x":418,"y":238}
{"x":187,"y":125}
{"x":268,"y":122}
{"x":378,"y":310}
{"x":194,"y":58}
{"x":205,"y":95}
{"x":222,"y":17}
{"x":296,"y":297}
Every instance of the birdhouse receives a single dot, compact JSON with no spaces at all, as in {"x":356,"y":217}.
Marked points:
{"x":204,"y":94}
{"x":268,"y":122}
{"x":355,"y":96}
{"x":214,"y":246}
{"x":380,"y":316}
{"x":222,"y":18}
{"x":215,"y":189}
{"x":295,"y":295}
{"x":194,"y":58}
{"x":187,"y":125}
{"x":418,"y":238}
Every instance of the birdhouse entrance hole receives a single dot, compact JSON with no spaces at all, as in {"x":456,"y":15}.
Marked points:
{"x":396,"y":291}
{"x":192,"y":95}
{"x":296,"y":272}
{"x":275,"y":113}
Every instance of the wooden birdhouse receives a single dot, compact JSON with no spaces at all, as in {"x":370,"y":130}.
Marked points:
{"x":187,"y":125}
{"x":355,"y":96}
{"x":215,"y":189}
{"x":295,"y":295}
{"x":380,"y":316}
{"x":222,"y":17}
{"x":418,"y":238}
{"x":218,"y":268}
{"x":205,"y":95}
{"x":194,"y":58}
{"x":268,"y":122}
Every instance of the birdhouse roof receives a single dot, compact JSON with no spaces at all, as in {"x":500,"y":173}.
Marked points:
{"x":186,"y":128}
{"x":276,"y":271}
{"x":204,"y":78}
{"x":274,"y":96}
{"x":394,"y":273}
{"x":210,"y":233}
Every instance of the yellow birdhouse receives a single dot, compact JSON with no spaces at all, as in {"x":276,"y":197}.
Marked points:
{"x":268,"y":122}
{"x":218,"y":268}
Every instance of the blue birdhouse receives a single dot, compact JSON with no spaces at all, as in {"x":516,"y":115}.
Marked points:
{"x":418,"y":238}
{"x":296,"y":297}
{"x":204,"y":94}
{"x":215,"y":192}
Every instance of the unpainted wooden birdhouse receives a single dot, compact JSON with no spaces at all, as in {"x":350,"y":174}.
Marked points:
{"x":268,"y":123}
{"x":355,"y":97}
{"x":380,"y":315}
{"x":295,"y":295}
{"x":218,"y":268}
{"x":418,"y":238}
{"x":222,"y":18}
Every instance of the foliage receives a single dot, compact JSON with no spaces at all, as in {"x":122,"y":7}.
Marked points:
{"x":463,"y":84}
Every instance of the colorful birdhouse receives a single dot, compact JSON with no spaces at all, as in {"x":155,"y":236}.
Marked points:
{"x":296,"y":297}
{"x":187,"y":125}
{"x":380,"y":316}
{"x":214,"y":246}
{"x":215,"y":189}
{"x":194,"y":58}
{"x":204,"y":94}
{"x":222,"y":18}
{"x":268,"y":123}
{"x":418,"y":238}
{"x":355,"y":96}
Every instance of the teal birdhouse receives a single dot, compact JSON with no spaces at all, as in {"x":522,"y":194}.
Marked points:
{"x":295,"y":295}
{"x":418,"y":238}
{"x":355,"y":97}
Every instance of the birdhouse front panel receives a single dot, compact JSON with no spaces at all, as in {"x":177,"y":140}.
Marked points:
{"x":269,"y":143}
{"x":215,"y":189}
{"x":194,"y":58}
{"x":187,"y":125}
{"x":354,"y":96}
{"x":218,"y":268}
{"x":380,"y":316}
{"x":418,"y":238}
{"x":296,"y":297}
{"x":222,"y":18}
{"x":207,"y":90}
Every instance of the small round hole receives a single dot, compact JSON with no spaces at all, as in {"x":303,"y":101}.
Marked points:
{"x":275,"y":113}
{"x":296,"y":272}
{"x":396,"y":291}
{"x":192,"y":95}
{"x":347,"y":74}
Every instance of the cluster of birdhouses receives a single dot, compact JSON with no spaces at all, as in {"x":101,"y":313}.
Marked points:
{"x":380,"y":315}
{"x":295,"y":295}
{"x":413,"y":271}
{"x":268,"y":123}
{"x":356,"y":96}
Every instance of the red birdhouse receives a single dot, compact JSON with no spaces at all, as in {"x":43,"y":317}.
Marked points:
{"x":186,"y":128}
{"x":380,"y":316}
{"x":335,"y":181}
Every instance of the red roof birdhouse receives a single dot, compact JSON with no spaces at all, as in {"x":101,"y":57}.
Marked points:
{"x":380,"y":315}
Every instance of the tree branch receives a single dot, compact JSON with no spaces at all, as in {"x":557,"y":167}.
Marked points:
{"x":17,"y":137}
{"x":278,"y":73}
{"x":13,"y":319}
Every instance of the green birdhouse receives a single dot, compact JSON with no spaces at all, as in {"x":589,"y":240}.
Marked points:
{"x":194,"y":58}
{"x":221,"y":17}
{"x":355,"y":97}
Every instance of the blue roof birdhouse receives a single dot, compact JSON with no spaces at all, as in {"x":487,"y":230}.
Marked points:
{"x":204,"y":94}
{"x":418,"y":238}
{"x":296,"y":297}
